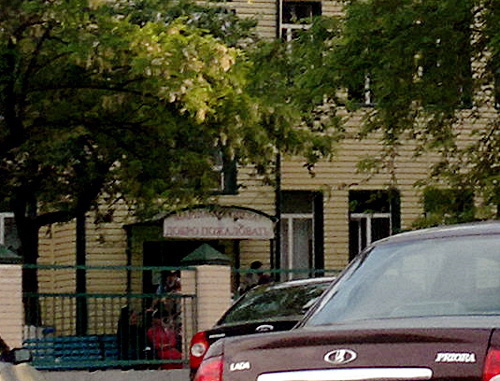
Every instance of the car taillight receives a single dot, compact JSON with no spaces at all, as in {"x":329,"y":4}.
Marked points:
{"x":199,"y":346}
{"x":210,"y":370}
{"x":492,"y":365}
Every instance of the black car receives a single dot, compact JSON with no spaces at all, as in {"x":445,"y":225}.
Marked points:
{"x":422,"y":305}
{"x":264,"y":308}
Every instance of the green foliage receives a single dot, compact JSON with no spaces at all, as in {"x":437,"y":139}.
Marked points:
{"x":416,"y":58}
{"x":213,"y":19}
{"x":292,"y":82}
{"x":413,"y":53}
{"x":446,"y":206}
{"x":129,"y":99}
{"x":91,"y":100}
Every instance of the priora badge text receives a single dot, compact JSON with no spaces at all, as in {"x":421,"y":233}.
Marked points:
{"x":456,"y":357}
{"x":340,"y":356}
{"x":243,"y":365}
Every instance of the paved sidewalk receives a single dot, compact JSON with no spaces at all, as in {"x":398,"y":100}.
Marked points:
{"x":119,"y":375}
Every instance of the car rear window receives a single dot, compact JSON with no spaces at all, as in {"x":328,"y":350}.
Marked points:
{"x":434,"y":277}
{"x":274,"y":302}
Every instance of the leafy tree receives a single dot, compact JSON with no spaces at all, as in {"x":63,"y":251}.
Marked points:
{"x":430,"y":68}
{"x":291,"y":80}
{"x":123,"y":99}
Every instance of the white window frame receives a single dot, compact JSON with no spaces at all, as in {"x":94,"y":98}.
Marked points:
{"x":289,"y":219}
{"x":285,"y":30}
{"x":369,"y":217}
{"x":368,"y":96}
{"x":218,"y":168}
{"x":3,"y":217}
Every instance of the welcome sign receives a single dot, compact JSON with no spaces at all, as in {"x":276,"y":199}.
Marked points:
{"x":218,"y":223}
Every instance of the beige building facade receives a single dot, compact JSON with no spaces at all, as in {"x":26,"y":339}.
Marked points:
{"x":319,"y":222}
{"x":306,"y":225}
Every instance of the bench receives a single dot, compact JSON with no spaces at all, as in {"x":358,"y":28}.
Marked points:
{"x":73,"y":352}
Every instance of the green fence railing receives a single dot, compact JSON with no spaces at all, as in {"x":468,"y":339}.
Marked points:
{"x":120,"y":321}
{"x":96,"y":317}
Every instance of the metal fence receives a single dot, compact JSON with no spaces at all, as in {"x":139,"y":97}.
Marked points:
{"x":100,"y":317}
{"x":95,"y":317}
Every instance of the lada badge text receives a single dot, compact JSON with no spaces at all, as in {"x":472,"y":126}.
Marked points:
{"x":243,"y":365}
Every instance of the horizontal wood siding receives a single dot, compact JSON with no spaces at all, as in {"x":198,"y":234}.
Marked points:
{"x":11,"y":313}
{"x":252,"y":194}
{"x":332,"y":8}
{"x":337,"y":177}
{"x":264,"y":11}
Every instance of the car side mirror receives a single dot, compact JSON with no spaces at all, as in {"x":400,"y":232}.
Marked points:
{"x":20,"y":355}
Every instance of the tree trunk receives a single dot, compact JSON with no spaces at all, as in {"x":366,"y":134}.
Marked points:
{"x":28,"y":234}
{"x":24,"y":209}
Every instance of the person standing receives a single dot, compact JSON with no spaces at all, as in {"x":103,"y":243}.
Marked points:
{"x":254,"y":277}
{"x":130,"y":336}
{"x":163,"y":339}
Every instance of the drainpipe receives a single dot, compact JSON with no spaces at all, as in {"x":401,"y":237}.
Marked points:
{"x":276,"y":264}
{"x":128,"y":250}
{"x":81,"y":276}
{"x":237,"y":262}
{"x":279,"y":12}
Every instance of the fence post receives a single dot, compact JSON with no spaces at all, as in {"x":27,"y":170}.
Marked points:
{"x":211,"y":283}
{"x":11,"y":298}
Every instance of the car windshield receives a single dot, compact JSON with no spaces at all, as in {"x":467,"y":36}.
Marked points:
{"x":274,"y":301}
{"x":433,"y":277}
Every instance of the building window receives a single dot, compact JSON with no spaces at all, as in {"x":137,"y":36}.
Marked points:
{"x":296,"y":15}
{"x":225,"y":170}
{"x":362,"y":92}
{"x":445,"y":62}
{"x":373,"y":215}
{"x":8,"y":231}
{"x":301,"y":233}
{"x":447,"y":206}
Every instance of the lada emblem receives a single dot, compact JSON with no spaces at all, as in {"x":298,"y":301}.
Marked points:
{"x":264,"y":328}
{"x":340,"y":356}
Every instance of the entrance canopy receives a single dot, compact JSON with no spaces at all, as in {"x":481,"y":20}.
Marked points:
{"x":219,"y":222}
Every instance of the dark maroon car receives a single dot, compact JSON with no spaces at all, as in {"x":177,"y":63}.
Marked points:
{"x":423,"y":305}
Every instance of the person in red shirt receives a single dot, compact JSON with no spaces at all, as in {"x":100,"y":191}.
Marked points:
{"x":163,"y":339}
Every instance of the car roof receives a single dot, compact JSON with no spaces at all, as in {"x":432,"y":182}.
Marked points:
{"x":296,"y":282}
{"x":445,"y":231}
